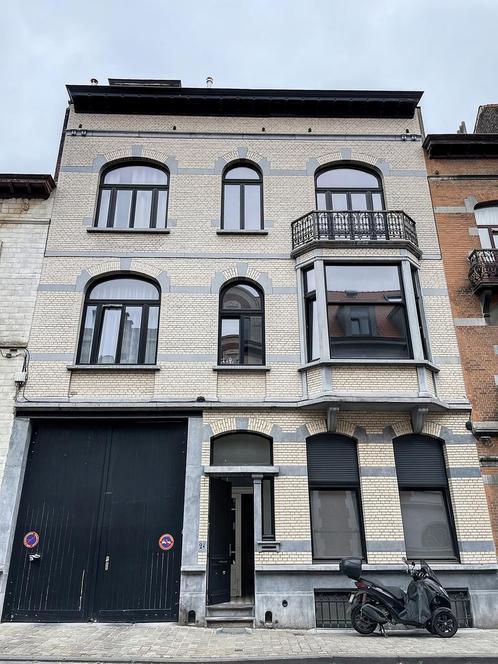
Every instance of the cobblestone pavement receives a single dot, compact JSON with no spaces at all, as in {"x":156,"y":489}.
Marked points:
{"x":156,"y":641}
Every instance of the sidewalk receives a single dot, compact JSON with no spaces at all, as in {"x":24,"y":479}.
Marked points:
{"x":170,"y":642}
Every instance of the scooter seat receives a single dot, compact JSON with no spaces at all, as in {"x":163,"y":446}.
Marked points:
{"x":392,"y":590}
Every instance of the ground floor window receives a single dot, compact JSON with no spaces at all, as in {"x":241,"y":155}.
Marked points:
{"x":426,"y":524}
{"x":335,"y":515}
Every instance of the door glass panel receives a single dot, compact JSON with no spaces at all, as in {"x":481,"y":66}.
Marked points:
{"x":267,"y":507}
{"x":321,"y":201}
{"x":359,"y":201}
{"x":309,"y":280}
{"x":105,"y":197}
{"x":252,"y":207}
{"x":151,"y":338}
{"x":425,"y":524}
{"x":336,"y":524}
{"x":162,"y":206}
{"x":340,"y":202}
{"x":377,"y":202}
{"x":253,"y":340}
{"x":231,"y":206}
{"x":142,"y":209}
{"x":109,"y":336}
{"x":122,"y":211}
{"x":88,"y":332}
{"x":131,"y":335}
{"x":230,"y":341}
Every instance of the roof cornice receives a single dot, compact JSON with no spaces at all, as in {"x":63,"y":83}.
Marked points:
{"x":150,"y":100}
{"x":461,"y":146}
{"x":21,"y":185}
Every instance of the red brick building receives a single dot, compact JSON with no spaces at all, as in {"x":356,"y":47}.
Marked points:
{"x":463,"y":178}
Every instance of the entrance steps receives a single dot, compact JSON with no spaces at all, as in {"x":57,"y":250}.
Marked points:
{"x":237,"y":613}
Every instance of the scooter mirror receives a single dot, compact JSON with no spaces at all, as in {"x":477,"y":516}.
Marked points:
{"x":405,"y":560}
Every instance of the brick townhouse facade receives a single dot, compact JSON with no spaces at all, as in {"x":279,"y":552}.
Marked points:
{"x":463,"y":179}
{"x":243,"y":366}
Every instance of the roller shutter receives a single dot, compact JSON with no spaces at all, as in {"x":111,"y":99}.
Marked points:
{"x":420,"y":462}
{"x":332,"y":460}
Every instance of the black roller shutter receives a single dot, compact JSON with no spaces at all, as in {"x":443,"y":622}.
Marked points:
{"x":332,"y":460}
{"x":420,"y":462}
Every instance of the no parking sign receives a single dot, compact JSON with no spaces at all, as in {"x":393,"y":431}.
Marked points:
{"x":31,"y":539}
{"x":166,"y":542}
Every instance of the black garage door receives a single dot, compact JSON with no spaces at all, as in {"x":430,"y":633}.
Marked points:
{"x":99,"y":531}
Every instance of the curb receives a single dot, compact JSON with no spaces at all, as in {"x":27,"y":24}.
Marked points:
{"x":341,"y":659}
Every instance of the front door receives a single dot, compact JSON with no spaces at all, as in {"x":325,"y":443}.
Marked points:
{"x":220,"y":538}
{"x":99,"y":529}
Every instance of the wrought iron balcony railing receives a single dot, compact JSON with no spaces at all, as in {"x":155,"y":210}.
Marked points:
{"x":483,"y":271}
{"x":377,"y":225}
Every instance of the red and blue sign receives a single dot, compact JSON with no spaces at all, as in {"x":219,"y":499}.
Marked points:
{"x":166,"y":542}
{"x":31,"y":539}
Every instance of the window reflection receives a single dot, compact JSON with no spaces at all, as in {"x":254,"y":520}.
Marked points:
{"x":241,"y":325}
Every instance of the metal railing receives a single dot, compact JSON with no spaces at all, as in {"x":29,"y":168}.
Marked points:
{"x":376,"y":225}
{"x":483,"y":271}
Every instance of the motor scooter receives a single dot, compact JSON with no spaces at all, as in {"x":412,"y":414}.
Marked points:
{"x":424,"y":604}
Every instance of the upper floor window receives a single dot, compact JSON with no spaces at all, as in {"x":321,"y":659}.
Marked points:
{"x":366,"y":312}
{"x":348,"y":188}
{"x":486,"y":215}
{"x":242,"y":200}
{"x":241,"y":335}
{"x":133,"y":196}
{"x":120,"y":322}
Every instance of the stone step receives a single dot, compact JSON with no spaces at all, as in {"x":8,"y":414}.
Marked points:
{"x":235,"y":609}
{"x":229,"y":621}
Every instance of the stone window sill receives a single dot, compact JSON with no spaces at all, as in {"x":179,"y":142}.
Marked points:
{"x":268,"y":545}
{"x":241,"y":367}
{"x":242,"y":231}
{"x":113,"y":367}
{"x":370,"y":362}
{"x":146,"y":231}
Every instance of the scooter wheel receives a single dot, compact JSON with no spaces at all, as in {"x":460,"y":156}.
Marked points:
{"x":444,"y":623}
{"x":362,"y":624}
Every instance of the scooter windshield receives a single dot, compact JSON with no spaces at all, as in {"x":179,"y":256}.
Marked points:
{"x":426,"y":568}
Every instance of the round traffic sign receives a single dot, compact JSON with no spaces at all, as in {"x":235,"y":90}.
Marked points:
{"x":166,"y":542}
{"x":31,"y":539}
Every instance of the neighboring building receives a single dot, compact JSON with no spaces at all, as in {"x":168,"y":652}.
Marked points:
{"x":463,"y":178}
{"x":243,"y":366}
{"x":25,"y":209}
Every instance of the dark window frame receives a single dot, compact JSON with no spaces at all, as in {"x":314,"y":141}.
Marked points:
{"x":356,"y":490}
{"x":368,"y":191}
{"x":436,"y":485}
{"x":119,"y":304}
{"x":401,"y":303}
{"x":242,"y":183}
{"x":231,"y":433}
{"x":310,"y":303}
{"x":134,"y":188}
{"x":449,"y":515}
{"x":240,"y":315}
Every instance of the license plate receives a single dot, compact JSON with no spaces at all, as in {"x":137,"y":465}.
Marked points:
{"x":351,"y":598}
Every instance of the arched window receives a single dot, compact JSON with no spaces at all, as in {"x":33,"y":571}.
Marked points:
{"x":242,"y":199}
{"x":348,"y":188}
{"x":120,"y":322}
{"x":133,"y":196}
{"x":241,"y":326}
{"x":241,"y":448}
{"x":424,"y":497}
{"x":334,"y":485}
{"x":486,"y":215}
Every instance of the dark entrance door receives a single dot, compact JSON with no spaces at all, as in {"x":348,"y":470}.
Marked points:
{"x":220,"y":536}
{"x":100,"y":496}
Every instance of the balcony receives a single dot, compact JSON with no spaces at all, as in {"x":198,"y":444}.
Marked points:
{"x":483,"y":271}
{"x":364,"y":227}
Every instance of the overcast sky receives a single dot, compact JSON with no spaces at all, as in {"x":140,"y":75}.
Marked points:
{"x":447,"y":48}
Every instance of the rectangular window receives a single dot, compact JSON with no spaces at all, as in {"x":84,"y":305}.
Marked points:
{"x":366,"y":312}
{"x":231,"y":206}
{"x":131,"y":335}
{"x":252,"y":207}
{"x":335,"y":516}
{"x":109,"y":336}
{"x":267,"y":499}
{"x":123,"y":208}
{"x":426,"y":524}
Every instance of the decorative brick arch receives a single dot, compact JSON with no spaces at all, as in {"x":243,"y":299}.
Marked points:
{"x":241,"y":271}
{"x":245,"y":424}
{"x":121,"y":265}
{"x":242,"y":153}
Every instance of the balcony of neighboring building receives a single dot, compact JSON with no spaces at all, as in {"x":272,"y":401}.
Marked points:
{"x":389,"y":228}
{"x":483,"y":271}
